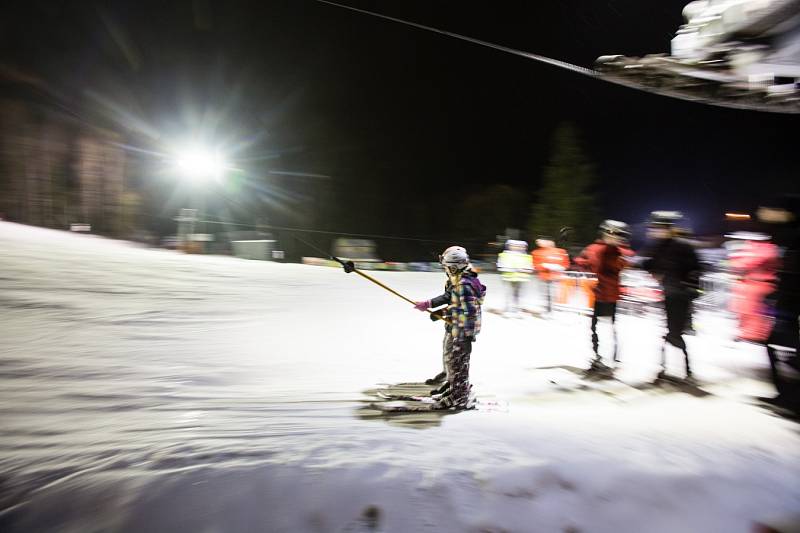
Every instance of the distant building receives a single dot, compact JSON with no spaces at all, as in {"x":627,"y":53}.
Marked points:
{"x":56,"y":170}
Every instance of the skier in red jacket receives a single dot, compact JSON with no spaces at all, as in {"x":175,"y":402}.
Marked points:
{"x":606,"y":259}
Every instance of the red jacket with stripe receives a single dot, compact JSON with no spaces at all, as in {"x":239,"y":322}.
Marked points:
{"x":606,"y":261}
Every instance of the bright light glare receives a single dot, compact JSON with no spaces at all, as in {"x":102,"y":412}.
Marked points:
{"x":201,"y":164}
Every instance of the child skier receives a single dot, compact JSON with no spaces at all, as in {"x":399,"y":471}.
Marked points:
{"x":463,"y":296}
{"x":605,"y":258}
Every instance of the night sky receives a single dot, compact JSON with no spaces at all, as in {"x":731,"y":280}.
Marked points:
{"x":406,"y":123}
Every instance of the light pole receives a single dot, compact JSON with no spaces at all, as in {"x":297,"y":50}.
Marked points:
{"x":202,"y":167}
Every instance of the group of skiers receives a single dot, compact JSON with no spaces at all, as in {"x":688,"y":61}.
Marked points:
{"x":516,"y":266}
{"x":670,"y":259}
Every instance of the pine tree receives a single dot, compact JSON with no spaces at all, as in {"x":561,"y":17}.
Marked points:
{"x":491,"y":211}
{"x":566,"y":197}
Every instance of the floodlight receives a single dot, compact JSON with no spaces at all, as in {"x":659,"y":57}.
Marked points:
{"x":200,"y":164}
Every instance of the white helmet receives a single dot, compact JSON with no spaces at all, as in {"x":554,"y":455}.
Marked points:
{"x":512,"y":244}
{"x":615,"y":228}
{"x":748,"y":236}
{"x":455,"y":256}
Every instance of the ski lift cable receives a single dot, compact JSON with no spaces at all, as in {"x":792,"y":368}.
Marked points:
{"x":616,"y":80}
{"x":536,"y":57}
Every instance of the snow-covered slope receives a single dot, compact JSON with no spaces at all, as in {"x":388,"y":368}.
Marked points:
{"x":145,"y":390}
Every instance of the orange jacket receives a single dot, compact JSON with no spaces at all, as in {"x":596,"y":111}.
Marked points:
{"x":550,"y":262}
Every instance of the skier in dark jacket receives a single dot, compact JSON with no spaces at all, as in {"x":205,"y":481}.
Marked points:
{"x":676,"y":266}
{"x":606,"y":259}
{"x":463,"y":297}
{"x":781,"y":217}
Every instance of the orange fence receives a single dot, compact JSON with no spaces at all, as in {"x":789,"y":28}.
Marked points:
{"x":575,"y":290}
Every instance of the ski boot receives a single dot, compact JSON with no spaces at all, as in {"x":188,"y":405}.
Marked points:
{"x":780,"y":402}
{"x":663,"y":376}
{"x":599,"y":370}
{"x":441,"y":389}
{"x":441,"y":396}
{"x":446,"y":401}
{"x":438,"y":378}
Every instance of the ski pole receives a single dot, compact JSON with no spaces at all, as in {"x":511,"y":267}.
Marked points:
{"x":349,"y":266}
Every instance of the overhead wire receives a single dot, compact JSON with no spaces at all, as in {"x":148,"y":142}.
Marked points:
{"x":631,"y":83}
{"x":536,"y":57}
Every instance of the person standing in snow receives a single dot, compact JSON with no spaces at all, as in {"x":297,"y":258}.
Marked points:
{"x":463,"y":297}
{"x":756,"y":263}
{"x":549,"y":263}
{"x":515,"y":266}
{"x":605,"y":258}
{"x":675,"y":265}
{"x":782,"y":217}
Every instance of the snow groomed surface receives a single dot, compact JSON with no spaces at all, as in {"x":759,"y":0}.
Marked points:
{"x":145,"y":390}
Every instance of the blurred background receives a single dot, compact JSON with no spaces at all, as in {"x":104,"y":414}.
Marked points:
{"x":303,"y":116}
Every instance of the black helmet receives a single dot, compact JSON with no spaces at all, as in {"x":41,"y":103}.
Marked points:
{"x":780,"y":217}
{"x":787,"y":203}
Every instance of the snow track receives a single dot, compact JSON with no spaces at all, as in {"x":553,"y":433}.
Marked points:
{"x":145,"y":390}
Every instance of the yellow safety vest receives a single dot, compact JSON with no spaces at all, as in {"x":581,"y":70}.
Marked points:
{"x":515,"y":266}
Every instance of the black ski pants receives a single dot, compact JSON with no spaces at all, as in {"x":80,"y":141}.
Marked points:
{"x":678,"y":307}
{"x":785,"y":335}
{"x":602,"y":309}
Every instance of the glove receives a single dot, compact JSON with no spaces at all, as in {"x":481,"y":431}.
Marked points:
{"x":437,"y":315}
{"x":422,"y":306}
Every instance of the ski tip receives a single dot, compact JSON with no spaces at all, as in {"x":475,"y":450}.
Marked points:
{"x":399,"y":407}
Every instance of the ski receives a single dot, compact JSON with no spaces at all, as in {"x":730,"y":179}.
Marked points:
{"x":689,"y":385}
{"x":586,"y":377}
{"x":404,"y":397}
{"x":398,"y":406}
{"x":599,"y":375}
{"x":669,"y":378}
{"x":776,"y":409}
{"x":413,"y":406}
{"x":583,"y":382}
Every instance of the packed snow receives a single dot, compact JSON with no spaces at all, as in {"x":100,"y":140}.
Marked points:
{"x":147,"y":390}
